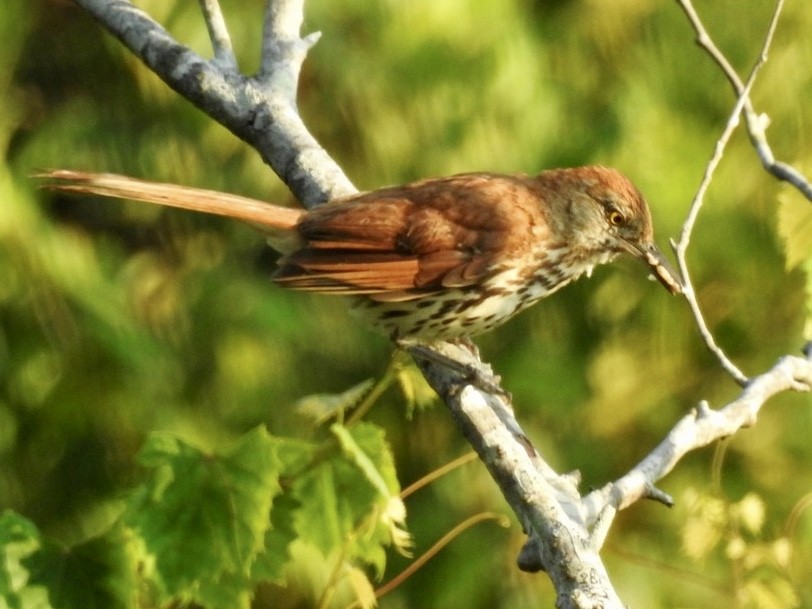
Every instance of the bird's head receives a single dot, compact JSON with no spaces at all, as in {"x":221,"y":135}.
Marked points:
{"x":600,"y":210}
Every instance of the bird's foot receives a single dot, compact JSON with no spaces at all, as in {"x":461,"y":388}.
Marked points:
{"x":478,"y":376}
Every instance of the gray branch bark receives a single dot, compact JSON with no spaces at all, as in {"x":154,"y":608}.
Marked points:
{"x":261,"y":109}
{"x":565,"y":530}
{"x":756,"y":123}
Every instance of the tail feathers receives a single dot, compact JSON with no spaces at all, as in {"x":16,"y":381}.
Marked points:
{"x":172,"y":195}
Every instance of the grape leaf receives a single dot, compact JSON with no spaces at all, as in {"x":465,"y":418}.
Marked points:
{"x":204,"y":517}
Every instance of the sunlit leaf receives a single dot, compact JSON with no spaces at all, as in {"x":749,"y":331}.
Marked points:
{"x":19,"y":539}
{"x":324,"y":406}
{"x":349,"y":500}
{"x":418,"y":393}
{"x":703,"y":529}
{"x":204,"y":517}
{"x":362,"y":587}
{"x":782,"y":552}
{"x":795,"y":230}
{"x":751,"y":512}
{"x":365,"y":446}
{"x":795,"y":226}
{"x":775,"y":593}
{"x":736,"y":548}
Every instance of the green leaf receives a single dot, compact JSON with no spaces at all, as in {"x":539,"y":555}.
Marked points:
{"x":702,"y":530}
{"x":751,"y":513}
{"x":349,"y":500}
{"x":97,"y":574}
{"x":270,"y":564}
{"x":19,"y":538}
{"x":36,"y":574}
{"x":795,"y":226}
{"x":323,"y":406}
{"x":416,"y":391}
{"x":795,"y":230}
{"x":366,"y":447}
{"x":361,"y":587}
{"x":363,"y":460}
{"x":204,"y":517}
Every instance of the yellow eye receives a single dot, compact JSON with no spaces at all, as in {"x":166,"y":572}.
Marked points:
{"x":615,"y":218}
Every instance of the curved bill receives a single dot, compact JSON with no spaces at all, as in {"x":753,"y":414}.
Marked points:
{"x":659,"y":265}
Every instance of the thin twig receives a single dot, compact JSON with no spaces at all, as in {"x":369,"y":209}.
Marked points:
{"x":742,"y":103}
{"x":681,"y":247}
{"x":438,"y":473}
{"x":441,"y":543}
{"x":280,"y":38}
{"x":756,"y":123}
{"x":700,"y":428}
{"x":218,"y":33}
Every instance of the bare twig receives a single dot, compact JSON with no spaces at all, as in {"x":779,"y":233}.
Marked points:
{"x":218,"y":33}
{"x":700,"y":428}
{"x":756,"y":123}
{"x":742,"y":103}
{"x":681,"y":247}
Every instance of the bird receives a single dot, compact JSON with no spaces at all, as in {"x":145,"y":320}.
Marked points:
{"x":440,"y":259}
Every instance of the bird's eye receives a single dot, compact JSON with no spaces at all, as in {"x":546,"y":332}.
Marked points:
{"x":615,"y":217}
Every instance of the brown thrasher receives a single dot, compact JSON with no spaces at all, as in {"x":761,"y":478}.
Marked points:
{"x":443,"y":258}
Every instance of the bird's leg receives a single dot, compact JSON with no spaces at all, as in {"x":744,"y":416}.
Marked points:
{"x":466,"y":343}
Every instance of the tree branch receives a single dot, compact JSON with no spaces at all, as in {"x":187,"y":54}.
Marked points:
{"x":218,"y":33}
{"x":701,"y":427}
{"x":547,"y":504}
{"x":681,"y":248}
{"x":743,"y":105}
{"x":261,"y":111}
{"x":756,"y":123}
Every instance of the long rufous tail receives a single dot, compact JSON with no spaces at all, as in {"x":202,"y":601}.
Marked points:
{"x":173,"y":195}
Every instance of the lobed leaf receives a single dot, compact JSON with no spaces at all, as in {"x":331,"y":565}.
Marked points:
{"x":204,"y":517}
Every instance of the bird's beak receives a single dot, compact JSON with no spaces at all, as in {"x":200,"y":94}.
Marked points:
{"x":659,"y":265}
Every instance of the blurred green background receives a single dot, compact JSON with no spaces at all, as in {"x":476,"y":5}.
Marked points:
{"x":117,"y":319}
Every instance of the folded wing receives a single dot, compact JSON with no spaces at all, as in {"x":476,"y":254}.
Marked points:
{"x":404,"y":242}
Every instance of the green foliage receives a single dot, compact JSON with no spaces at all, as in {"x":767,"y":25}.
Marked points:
{"x":795,"y":230}
{"x":97,"y":573}
{"x":130,"y":334}
{"x":19,"y":538}
{"x":325,"y":406}
{"x":38,"y":573}
{"x":208,"y":528}
{"x":204,"y":518}
{"x":734,"y":533}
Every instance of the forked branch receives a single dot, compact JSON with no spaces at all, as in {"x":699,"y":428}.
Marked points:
{"x":743,"y":105}
{"x":262,"y":111}
{"x":701,"y":427}
{"x":756,"y":123}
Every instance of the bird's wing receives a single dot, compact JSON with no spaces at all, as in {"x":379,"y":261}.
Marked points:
{"x":401,"y":243}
